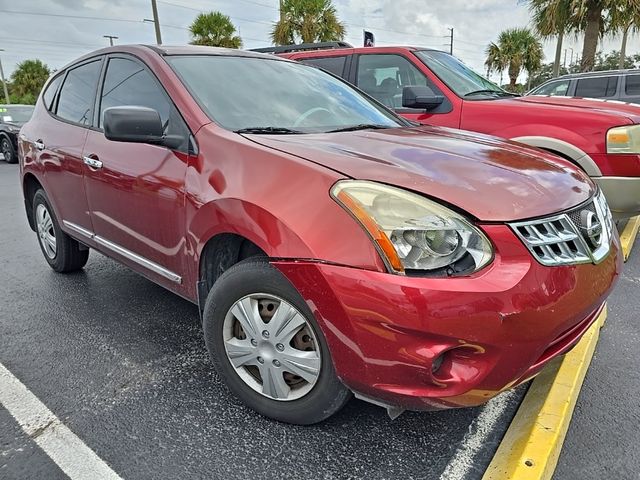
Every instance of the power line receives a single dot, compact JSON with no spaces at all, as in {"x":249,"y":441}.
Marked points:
{"x":110,"y":19}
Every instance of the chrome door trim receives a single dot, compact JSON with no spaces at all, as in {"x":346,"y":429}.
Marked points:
{"x":134,"y":257}
{"x":92,"y":162}
{"x":78,"y":229}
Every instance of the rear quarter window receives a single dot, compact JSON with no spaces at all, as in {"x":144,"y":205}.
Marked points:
{"x":49,"y":94}
{"x":632,"y":86}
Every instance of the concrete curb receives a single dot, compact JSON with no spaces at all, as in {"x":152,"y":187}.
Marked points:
{"x":628,"y":236}
{"x":532,"y":444}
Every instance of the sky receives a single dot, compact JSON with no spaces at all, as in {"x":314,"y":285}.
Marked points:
{"x":54,"y":31}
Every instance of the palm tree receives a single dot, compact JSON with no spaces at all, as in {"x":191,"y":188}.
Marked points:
{"x":553,"y":18}
{"x":624,"y":18}
{"x":214,"y":29}
{"x":29,"y":77}
{"x":517,"y":49}
{"x":307,"y":20}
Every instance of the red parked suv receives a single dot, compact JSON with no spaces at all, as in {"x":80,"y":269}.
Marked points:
{"x":601,"y":137}
{"x":332,"y":246}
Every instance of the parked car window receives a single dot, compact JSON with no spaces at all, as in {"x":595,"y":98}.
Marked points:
{"x":129,"y":83}
{"x":77,"y":95}
{"x":632,"y":86}
{"x":248,"y":93}
{"x":19,"y":114}
{"x":49,"y":94}
{"x":597,"y":87}
{"x":334,"y":65}
{"x":559,"y":88}
{"x":384,"y":76}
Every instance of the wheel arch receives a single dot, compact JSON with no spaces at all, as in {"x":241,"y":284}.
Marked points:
{"x":565,"y":150}
{"x":30,"y":185}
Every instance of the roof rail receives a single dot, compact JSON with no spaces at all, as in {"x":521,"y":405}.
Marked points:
{"x":302,"y":47}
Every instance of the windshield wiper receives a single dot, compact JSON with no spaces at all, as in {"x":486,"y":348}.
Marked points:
{"x":487,"y":90}
{"x":362,"y":126}
{"x":268,"y":131}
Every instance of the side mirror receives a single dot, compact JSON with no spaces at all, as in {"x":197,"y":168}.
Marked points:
{"x":418,"y":96}
{"x":137,"y":125}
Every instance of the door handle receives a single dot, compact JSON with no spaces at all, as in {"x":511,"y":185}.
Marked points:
{"x":92,"y":162}
{"x":39,"y":144}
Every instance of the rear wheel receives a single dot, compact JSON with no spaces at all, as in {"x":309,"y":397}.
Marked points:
{"x":267,"y":347}
{"x":7,"y":150}
{"x":63,"y":253}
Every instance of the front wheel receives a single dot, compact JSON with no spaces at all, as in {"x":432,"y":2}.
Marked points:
{"x":7,"y":150}
{"x":62,"y":253}
{"x":267,"y":347}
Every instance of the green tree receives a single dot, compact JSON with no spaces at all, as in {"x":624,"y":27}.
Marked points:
{"x":307,"y":21}
{"x":625,"y":19}
{"x":27,"y":81}
{"x":214,"y":29}
{"x":517,"y":49}
{"x":553,"y":18}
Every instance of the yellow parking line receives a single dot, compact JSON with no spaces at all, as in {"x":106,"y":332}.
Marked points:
{"x":532,"y":444}
{"x":628,"y":235}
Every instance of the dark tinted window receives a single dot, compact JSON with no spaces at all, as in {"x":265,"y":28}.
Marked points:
{"x":633,"y":85}
{"x":384,"y":76}
{"x":77,"y":95}
{"x":50,"y":93}
{"x":334,"y":65}
{"x":129,"y":83}
{"x":558,"y":88}
{"x":598,"y":87}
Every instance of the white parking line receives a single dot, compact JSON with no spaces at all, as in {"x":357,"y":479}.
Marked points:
{"x":463,"y":460}
{"x":63,"y":446}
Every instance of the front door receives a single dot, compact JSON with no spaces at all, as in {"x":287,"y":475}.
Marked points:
{"x":136,"y":191}
{"x":383,"y":76}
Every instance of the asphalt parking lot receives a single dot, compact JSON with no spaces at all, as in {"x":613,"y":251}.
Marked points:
{"x":122,"y":363}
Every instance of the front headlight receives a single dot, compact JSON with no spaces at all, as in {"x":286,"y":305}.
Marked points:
{"x":624,"y":139}
{"x":412,"y":232}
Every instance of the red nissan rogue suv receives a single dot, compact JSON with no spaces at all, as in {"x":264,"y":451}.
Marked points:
{"x":332,"y":246}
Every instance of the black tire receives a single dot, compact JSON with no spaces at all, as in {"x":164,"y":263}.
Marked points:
{"x":6,"y":148}
{"x":255,"y":275}
{"x":68,"y":257}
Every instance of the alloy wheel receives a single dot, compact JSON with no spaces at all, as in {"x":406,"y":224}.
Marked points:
{"x":46,"y":232}
{"x":272,"y":347}
{"x":6,"y":151}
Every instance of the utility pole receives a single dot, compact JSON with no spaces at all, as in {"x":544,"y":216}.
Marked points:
{"x":156,"y":21}
{"x":111,"y":38}
{"x":4,"y":82}
{"x":451,"y":44}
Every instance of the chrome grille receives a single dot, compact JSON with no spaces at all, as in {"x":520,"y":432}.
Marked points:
{"x":580,"y":235}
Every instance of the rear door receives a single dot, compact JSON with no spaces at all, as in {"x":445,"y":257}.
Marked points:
{"x":136,"y":191}
{"x":59,"y":142}
{"x":384,"y":76}
{"x":605,"y":86}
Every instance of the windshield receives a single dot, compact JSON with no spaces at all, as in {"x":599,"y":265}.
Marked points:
{"x":259,"y":95}
{"x":16,"y":114}
{"x":458,"y":77}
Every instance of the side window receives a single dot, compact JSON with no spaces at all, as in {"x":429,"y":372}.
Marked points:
{"x":559,"y":88}
{"x":632,"y":86}
{"x":128,"y":83}
{"x":334,"y":65}
{"x":598,"y":87}
{"x":76,"y":99}
{"x":50,"y":93}
{"x":384,"y":76}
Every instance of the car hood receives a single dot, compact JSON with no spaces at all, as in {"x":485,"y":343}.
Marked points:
{"x":609,"y":107}
{"x":492,"y":179}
